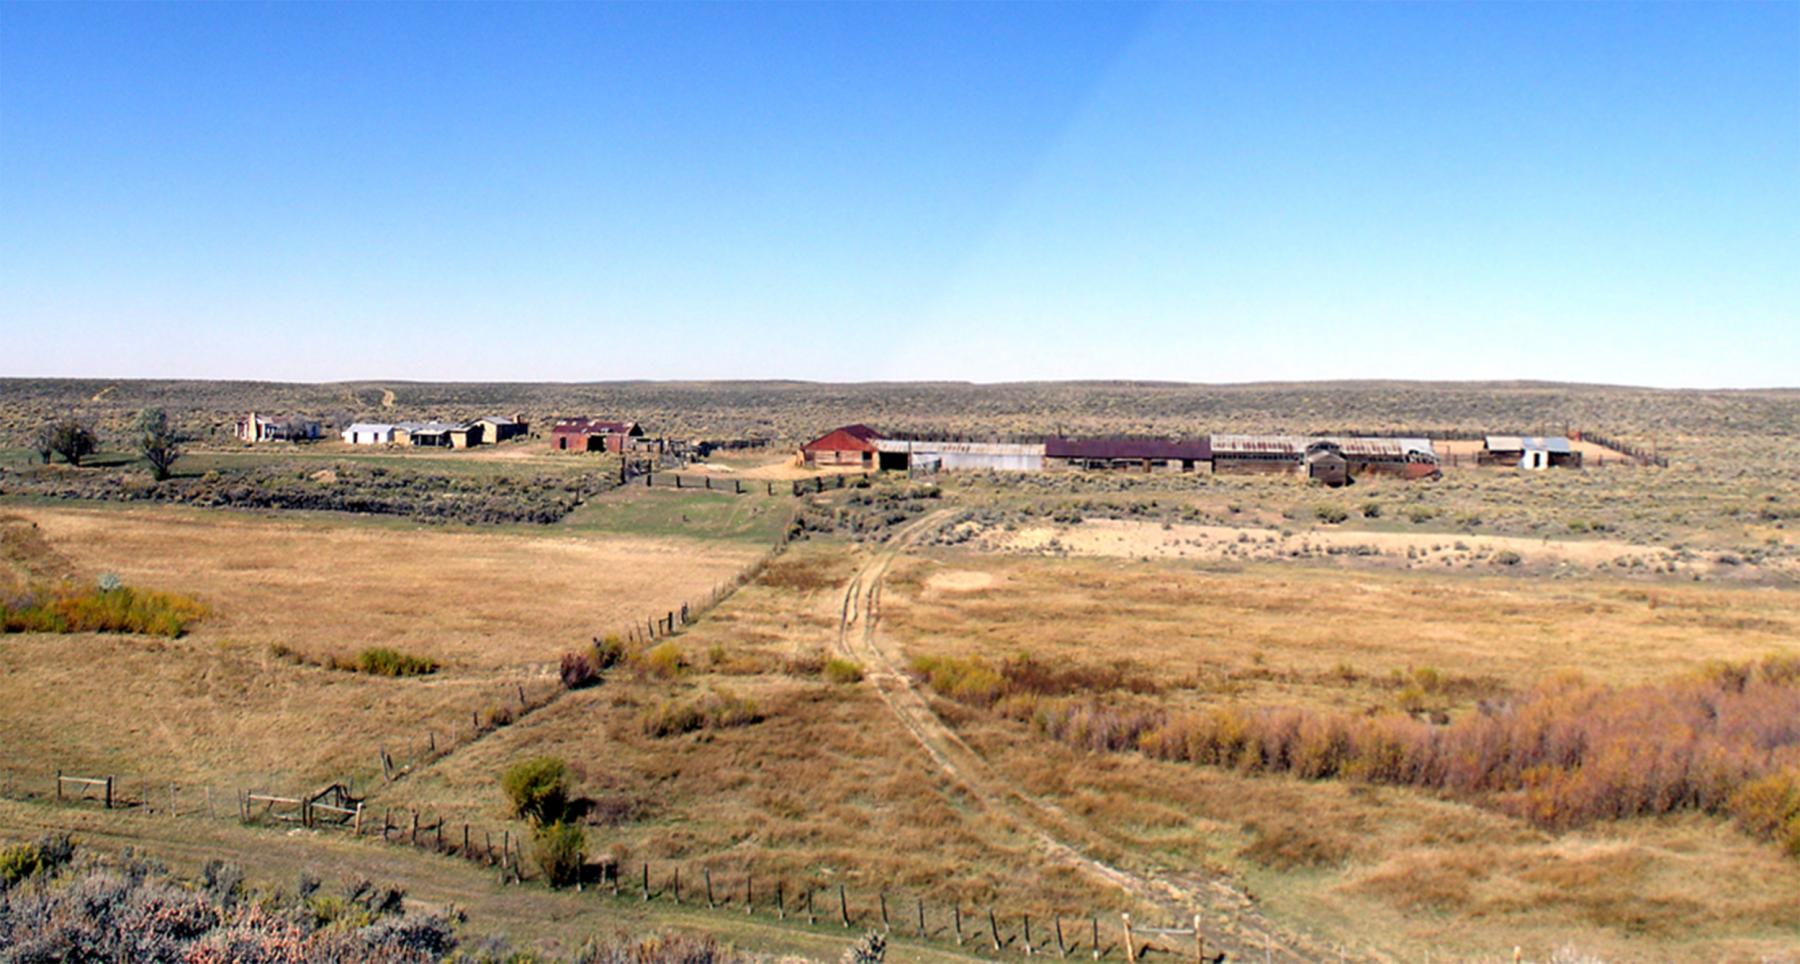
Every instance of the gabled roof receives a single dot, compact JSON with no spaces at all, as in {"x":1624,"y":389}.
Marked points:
{"x":369,"y":427}
{"x":861,"y":433}
{"x":496,"y":420}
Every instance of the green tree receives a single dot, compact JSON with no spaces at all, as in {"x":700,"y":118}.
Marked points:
{"x":43,"y":441}
{"x":73,"y":440}
{"x":157,"y":441}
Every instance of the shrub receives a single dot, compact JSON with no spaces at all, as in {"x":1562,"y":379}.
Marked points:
{"x":538,"y":789}
{"x":663,"y":659}
{"x":1331,"y":514}
{"x":99,"y":609}
{"x":382,"y":661}
{"x":578,"y":671}
{"x":716,"y":711}
{"x":30,"y":859}
{"x":1371,"y":510}
{"x":560,"y":850}
{"x":1506,"y":557}
{"x":843,"y":671}
{"x":609,"y":651}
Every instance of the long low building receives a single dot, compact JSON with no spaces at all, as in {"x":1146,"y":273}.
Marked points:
{"x":1334,"y":461}
{"x":932,"y":455}
{"x":1120,"y":452}
{"x":1529,"y":451}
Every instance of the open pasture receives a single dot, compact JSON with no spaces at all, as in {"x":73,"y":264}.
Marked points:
{"x":1439,"y":875}
{"x":1265,"y":632}
{"x":494,"y":609}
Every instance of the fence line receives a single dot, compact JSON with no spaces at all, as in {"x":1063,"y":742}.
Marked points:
{"x":774,"y":896}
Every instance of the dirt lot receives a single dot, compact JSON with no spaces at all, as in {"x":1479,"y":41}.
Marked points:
{"x":1121,"y":538}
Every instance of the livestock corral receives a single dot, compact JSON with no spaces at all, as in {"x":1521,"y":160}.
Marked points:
{"x":1293,"y":673}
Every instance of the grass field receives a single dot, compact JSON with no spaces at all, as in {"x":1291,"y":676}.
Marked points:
{"x":495,"y":609}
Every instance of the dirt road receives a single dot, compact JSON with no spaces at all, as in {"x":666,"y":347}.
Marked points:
{"x":1232,"y":923}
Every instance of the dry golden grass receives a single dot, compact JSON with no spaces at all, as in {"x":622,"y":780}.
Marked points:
{"x":1374,"y":868}
{"x":216,"y":706}
{"x":475,"y":601}
{"x":824,"y":789}
{"x":1268,"y":633}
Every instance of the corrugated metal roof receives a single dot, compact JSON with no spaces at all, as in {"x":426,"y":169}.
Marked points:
{"x":1289,"y":446}
{"x":1187,"y":449}
{"x":924,"y":447}
{"x":593,"y":426}
{"x":1523,"y":443}
{"x":369,"y":427}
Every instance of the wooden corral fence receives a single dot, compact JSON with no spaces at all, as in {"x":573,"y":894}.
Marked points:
{"x":791,"y":487}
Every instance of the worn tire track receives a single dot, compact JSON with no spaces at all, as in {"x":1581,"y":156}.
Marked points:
{"x":1058,"y":836}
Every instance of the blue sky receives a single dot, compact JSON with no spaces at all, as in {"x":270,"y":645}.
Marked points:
{"x":1210,"y":192}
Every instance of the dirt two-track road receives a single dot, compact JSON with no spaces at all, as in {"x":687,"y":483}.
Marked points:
{"x":1231,"y":922}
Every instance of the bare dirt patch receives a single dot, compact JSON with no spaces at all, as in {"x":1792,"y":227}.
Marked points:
{"x":960,"y":580}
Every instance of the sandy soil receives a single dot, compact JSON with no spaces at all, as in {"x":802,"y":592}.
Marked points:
{"x":1129,"y":539}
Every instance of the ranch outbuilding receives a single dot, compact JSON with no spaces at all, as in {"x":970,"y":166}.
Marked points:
{"x":1529,"y":452}
{"x":1146,"y":454}
{"x":593,"y":435}
{"x":850,"y":445}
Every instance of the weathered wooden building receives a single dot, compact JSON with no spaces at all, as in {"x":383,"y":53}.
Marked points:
{"x":1142,"y":454}
{"x":1333,"y":461}
{"x":276,"y":428}
{"x":594,"y":435}
{"x":497,"y":429}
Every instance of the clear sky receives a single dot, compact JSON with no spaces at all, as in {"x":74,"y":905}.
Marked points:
{"x":1208,"y":192}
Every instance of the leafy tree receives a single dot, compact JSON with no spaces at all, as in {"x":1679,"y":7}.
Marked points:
{"x":43,"y":441}
{"x":73,"y":440}
{"x":157,"y":441}
{"x":538,"y":789}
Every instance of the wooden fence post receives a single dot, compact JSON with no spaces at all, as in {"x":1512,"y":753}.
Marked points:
{"x":843,"y":907}
{"x":59,"y":785}
{"x":1029,"y":948}
{"x":356,"y":825}
{"x":108,"y":803}
{"x":993,"y":928}
{"x":1199,"y":942}
{"x":646,"y":882}
{"x":749,"y":892}
{"x":1094,"y":937}
{"x":884,"y":914}
{"x":677,"y":885}
{"x":1130,"y":949}
{"x":956,"y":921}
{"x":1062,"y":949}
{"x":780,"y":905}
{"x":811,"y":918}
{"x":921,"y":918}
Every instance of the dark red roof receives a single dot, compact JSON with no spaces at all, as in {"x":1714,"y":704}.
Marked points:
{"x":1199,"y":449}
{"x":850,"y":437}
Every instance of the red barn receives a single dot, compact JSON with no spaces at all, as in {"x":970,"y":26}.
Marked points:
{"x":850,"y":445}
{"x":592,"y":435}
